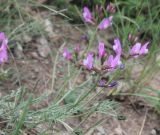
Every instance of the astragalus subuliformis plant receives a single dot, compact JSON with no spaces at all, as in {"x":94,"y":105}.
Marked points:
{"x":111,"y":64}
{"x":106,"y":66}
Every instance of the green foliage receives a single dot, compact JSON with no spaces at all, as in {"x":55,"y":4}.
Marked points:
{"x":4,"y":74}
{"x":144,"y":13}
{"x":16,"y":112}
{"x":16,"y":18}
{"x":71,"y":97}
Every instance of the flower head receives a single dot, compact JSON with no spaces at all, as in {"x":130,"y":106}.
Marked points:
{"x":101,"y":83}
{"x":112,"y":62}
{"x":3,"y":48}
{"x":138,"y":49}
{"x":117,"y":46}
{"x":84,"y":37}
{"x":66,"y":54}
{"x":88,"y":62}
{"x":135,"y":49}
{"x":108,"y":8}
{"x":87,"y":15}
{"x":105,"y":23}
{"x":99,"y":8}
{"x":101,"y":49}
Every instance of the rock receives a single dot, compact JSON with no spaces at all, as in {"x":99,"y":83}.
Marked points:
{"x":101,"y":130}
{"x":153,"y":132}
{"x":18,"y":51}
{"x":122,"y":86}
{"x":48,"y":27}
{"x":26,"y":38}
{"x":34,"y":55}
{"x":23,"y":38}
{"x":43,"y":47}
{"x":118,"y":131}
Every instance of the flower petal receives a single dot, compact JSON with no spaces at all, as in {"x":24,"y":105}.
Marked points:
{"x":88,"y":62}
{"x":66,"y":54}
{"x":105,"y":23}
{"x":3,"y":48}
{"x":135,"y":49}
{"x":117,"y":46}
{"x":87,"y":15}
{"x":144,"y":49}
{"x":110,"y":60}
{"x":116,"y":62}
{"x":101,"y":49}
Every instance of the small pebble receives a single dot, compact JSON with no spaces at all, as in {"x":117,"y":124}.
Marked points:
{"x":18,"y":51}
{"x":101,"y":130}
{"x":153,"y":132}
{"x":43,"y":47}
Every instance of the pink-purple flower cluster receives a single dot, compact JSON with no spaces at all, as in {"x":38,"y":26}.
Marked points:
{"x":110,"y":8}
{"x":139,"y":49}
{"x":105,"y":23}
{"x":108,"y":63}
{"x":3,"y":48}
{"x":114,"y":60}
{"x":111,"y":63}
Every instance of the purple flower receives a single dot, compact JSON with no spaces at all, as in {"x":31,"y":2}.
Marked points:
{"x":101,"y":49}
{"x":99,"y":8}
{"x":84,"y":37}
{"x":135,"y":49}
{"x":129,"y":36}
{"x":112,"y":62}
{"x":88,"y":62}
{"x":101,"y":83}
{"x":105,"y":23}
{"x":112,"y":84}
{"x":122,"y":66}
{"x":66,"y":54}
{"x":3,"y":48}
{"x":138,"y":49}
{"x":108,"y":8}
{"x":87,"y":15}
{"x":117,"y":46}
{"x":144,"y":49}
{"x":77,"y":48}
